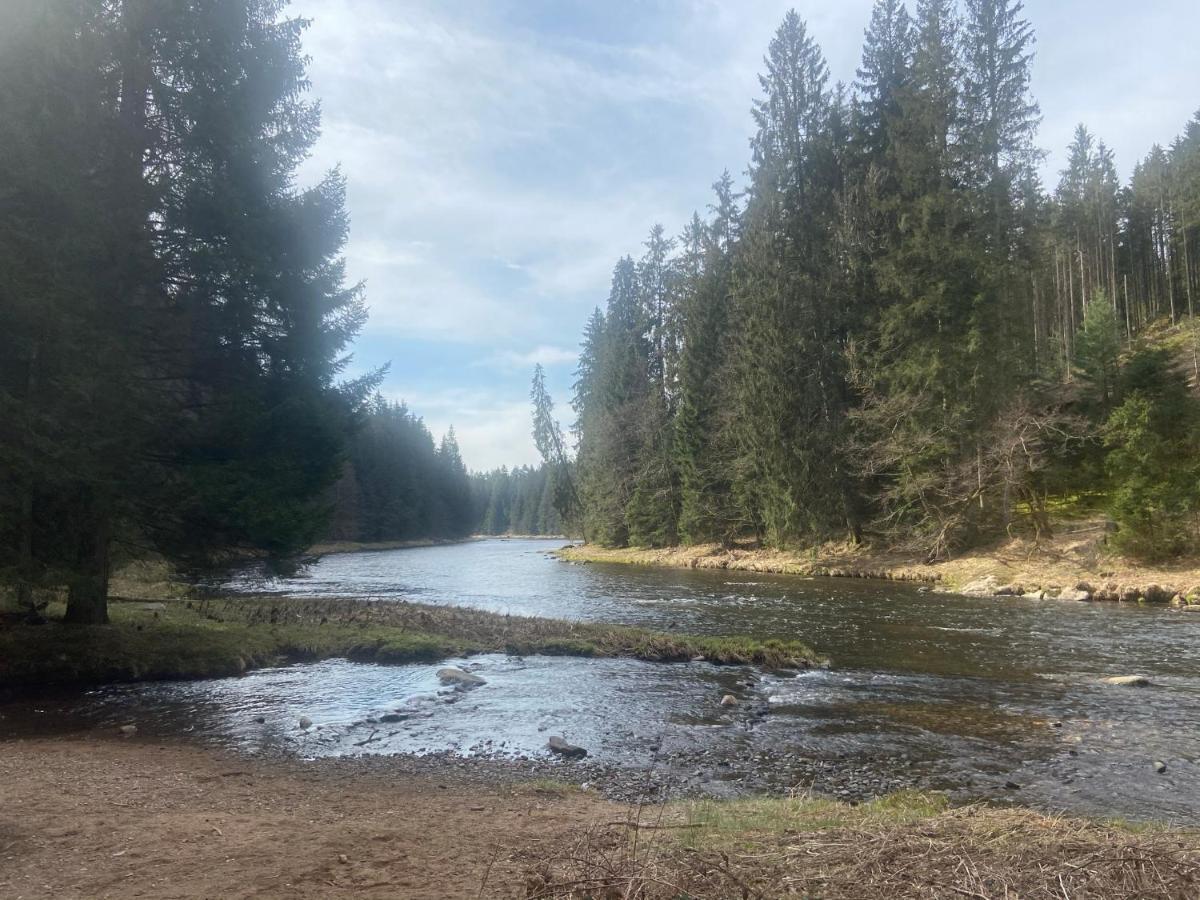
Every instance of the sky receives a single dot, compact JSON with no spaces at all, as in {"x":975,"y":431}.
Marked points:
{"x":501,"y":155}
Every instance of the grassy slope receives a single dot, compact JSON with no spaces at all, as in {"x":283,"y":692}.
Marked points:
{"x":184,"y":639}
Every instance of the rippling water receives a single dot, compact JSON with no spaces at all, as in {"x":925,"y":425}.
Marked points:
{"x":984,"y":697}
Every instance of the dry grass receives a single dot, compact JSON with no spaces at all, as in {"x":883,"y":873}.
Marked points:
{"x":909,"y":846}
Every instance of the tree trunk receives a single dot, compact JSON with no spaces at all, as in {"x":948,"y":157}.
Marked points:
{"x":87,"y":594}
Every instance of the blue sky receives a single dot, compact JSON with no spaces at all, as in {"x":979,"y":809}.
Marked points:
{"x":502,"y":155}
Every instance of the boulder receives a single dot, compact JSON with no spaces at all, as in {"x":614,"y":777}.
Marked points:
{"x":981,"y":587}
{"x":1010,"y":590}
{"x":392,"y":717}
{"x":1160,"y":767}
{"x":560,"y":746}
{"x":1128,"y":680}
{"x":1156,"y":593}
{"x":729,"y":700}
{"x":1074,"y":594}
{"x":459,"y":678}
{"x":1035,"y":595}
{"x":305,"y":723}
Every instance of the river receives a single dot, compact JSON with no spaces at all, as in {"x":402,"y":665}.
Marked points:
{"x":986,"y":698}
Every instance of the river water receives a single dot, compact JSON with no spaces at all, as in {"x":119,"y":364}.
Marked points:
{"x":986,"y":698}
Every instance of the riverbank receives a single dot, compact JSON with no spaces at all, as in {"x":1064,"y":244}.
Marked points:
{"x":1073,"y":565}
{"x":180,"y":639}
{"x":100,"y":817}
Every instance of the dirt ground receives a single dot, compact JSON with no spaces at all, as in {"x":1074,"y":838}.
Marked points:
{"x":98,"y":817}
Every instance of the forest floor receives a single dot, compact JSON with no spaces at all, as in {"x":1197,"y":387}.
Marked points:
{"x":99,"y":817}
{"x":1075,"y":557}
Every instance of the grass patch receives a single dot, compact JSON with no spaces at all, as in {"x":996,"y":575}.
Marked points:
{"x":177,"y":639}
{"x":729,"y":823}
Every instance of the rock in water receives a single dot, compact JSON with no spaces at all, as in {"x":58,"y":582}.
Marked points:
{"x":1128,"y":680}
{"x":305,"y":722}
{"x":562,"y":748}
{"x":459,"y":678}
{"x":729,"y":700}
{"x":1160,"y":767}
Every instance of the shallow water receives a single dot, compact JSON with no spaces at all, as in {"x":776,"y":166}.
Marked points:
{"x":983,"y":697}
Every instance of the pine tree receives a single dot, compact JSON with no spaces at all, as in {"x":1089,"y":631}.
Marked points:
{"x":788,"y":389}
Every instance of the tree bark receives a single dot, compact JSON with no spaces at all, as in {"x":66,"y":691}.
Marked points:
{"x":87,"y":594}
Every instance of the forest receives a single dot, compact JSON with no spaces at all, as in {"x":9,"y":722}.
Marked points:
{"x":177,"y":317}
{"x":896,"y":332}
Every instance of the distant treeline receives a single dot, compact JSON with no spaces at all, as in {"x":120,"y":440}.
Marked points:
{"x":399,"y":485}
{"x":896,"y":330}
{"x":516,"y":501}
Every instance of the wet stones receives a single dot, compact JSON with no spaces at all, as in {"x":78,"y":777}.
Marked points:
{"x":729,"y":700}
{"x":305,"y":723}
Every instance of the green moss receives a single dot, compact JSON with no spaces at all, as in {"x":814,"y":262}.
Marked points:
{"x":179,"y":640}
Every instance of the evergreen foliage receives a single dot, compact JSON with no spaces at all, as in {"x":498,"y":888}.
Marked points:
{"x":895,"y":331}
{"x":175,"y":304}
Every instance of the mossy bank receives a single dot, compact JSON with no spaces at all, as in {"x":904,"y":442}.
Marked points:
{"x":180,"y":639}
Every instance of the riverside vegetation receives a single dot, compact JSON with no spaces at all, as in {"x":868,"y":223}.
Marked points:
{"x":896,"y":335}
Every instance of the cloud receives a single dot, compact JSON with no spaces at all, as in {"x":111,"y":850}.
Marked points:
{"x":492,"y":429}
{"x":544,"y":355}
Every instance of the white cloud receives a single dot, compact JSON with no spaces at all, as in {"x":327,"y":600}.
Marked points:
{"x":492,"y":429}
{"x":544,"y":355}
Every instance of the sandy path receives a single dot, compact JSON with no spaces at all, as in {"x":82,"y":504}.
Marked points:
{"x":94,"y":818}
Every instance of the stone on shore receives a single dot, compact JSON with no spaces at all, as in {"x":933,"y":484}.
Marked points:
{"x":560,"y":746}
{"x":987,"y":586}
{"x":1075,"y":594}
